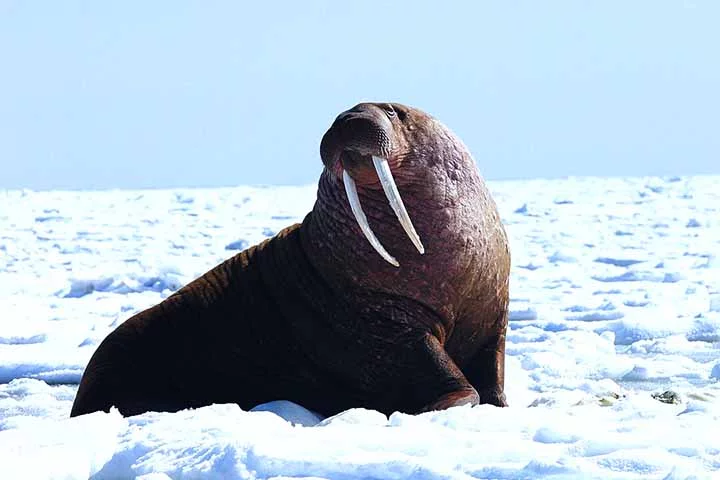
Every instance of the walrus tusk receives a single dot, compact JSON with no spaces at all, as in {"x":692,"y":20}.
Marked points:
{"x":357,"y":210}
{"x":391,"y":192}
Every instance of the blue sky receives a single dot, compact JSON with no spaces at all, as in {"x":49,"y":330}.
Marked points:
{"x":139,"y":94}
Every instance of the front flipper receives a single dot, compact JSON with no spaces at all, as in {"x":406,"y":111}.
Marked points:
{"x":440,"y":383}
{"x":486,"y":372}
{"x":454,"y":399}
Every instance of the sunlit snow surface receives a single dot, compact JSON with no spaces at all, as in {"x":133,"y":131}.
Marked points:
{"x":615,"y":297}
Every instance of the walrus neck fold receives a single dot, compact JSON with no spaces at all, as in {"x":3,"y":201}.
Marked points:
{"x":336,"y":245}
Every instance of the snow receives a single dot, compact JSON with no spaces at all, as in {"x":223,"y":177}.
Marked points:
{"x":615,"y":297}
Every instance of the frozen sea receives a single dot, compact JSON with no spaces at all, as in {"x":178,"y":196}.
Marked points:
{"x":613,"y":353}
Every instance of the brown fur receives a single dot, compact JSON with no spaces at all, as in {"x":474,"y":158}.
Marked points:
{"x":314,"y":315}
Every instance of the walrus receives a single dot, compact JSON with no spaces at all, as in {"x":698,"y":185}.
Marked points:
{"x":392,"y":294}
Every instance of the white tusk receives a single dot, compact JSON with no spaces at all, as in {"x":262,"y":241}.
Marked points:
{"x":357,"y":210}
{"x":391,"y":192}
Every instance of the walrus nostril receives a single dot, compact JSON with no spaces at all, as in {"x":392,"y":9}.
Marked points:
{"x":344,"y":116}
{"x":347,"y":115}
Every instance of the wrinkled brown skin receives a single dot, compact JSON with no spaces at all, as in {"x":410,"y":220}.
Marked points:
{"x":316,"y":316}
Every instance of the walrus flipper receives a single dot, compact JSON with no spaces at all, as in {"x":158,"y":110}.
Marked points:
{"x":486,"y":368}
{"x":486,"y":372}
{"x":442,"y":384}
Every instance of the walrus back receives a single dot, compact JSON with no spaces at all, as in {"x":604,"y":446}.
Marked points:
{"x":213,"y":341}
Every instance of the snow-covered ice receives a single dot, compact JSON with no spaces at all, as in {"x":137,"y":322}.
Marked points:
{"x":613,"y":353}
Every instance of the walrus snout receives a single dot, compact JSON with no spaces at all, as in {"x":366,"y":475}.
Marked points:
{"x":363,"y":131}
{"x":359,"y":140}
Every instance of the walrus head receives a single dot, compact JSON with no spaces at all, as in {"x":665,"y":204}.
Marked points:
{"x":365,"y":145}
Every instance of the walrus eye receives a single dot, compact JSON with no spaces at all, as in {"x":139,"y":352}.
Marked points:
{"x":389,"y":111}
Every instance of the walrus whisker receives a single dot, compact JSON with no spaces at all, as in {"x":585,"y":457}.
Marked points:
{"x":357,"y":210}
{"x":391,"y":192}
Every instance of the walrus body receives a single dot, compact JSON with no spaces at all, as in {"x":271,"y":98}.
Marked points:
{"x":316,"y":316}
